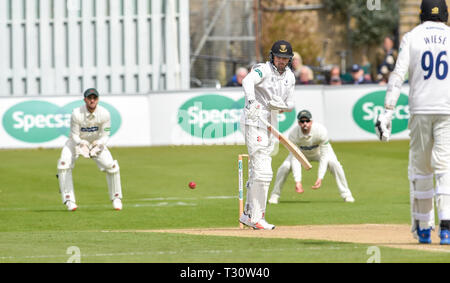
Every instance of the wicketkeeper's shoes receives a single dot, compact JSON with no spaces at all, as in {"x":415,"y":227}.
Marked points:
{"x":71,"y":206}
{"x":424,"y":235}
{"x":117,"y":204}
{"x":445,"y":237}
{"x":349,"y":199}
{"x":273,"y":199}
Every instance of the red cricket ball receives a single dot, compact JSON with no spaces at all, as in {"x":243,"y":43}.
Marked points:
{"x":192,"y":185}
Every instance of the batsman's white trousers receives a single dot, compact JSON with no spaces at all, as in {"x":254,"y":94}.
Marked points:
{"x":290,"y":163}
{"x":260,"y":146}
{"x":429,"y":156}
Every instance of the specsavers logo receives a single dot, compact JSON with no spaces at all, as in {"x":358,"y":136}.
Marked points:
{"x":42,"y":121}
{"x":367,"y":109}
{"x":214,"y":116}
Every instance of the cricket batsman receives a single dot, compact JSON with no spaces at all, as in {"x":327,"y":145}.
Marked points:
{"x":312,"y":139}
{"x":424,"y":53}
{"x":90,"y":127}
{"x":268,"y":89}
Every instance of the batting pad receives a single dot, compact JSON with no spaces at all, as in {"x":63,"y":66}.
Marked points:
{"x":422,"y":201}
{"x":114,"y":186}
{"x":443,"y":196}
{"x":257,"y":200}
{"x":66,"y":185}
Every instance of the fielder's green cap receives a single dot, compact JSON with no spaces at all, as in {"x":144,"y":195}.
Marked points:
{"x":90,"y":91}
{"x":304,"y":114}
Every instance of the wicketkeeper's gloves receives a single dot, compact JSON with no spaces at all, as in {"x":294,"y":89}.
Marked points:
{"x":83,"y":149}
{"x":96,"y":149}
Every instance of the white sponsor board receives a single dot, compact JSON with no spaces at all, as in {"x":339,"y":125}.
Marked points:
{"x":200,"y":117}
{"x":196,"y":118}
{"x":45,"y":121}
{"x":351,"y":112}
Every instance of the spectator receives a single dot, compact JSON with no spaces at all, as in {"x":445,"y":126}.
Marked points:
{"x":335,"y":76}
{"x":384,"y":63}
{"x":305,"y":77}
{"x":299,"y":69}
{"x":358,"y":76}
{"x":238,"y":77}
{"x":297,"y":64}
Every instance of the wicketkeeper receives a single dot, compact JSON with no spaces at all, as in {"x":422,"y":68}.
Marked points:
{"x":90,"y":128}
{"x":312,"y":139}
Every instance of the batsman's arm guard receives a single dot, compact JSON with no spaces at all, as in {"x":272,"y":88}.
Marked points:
{"x":397,"y":77}
{"x":253,"y":78}
{"x":393,"y":91}
{"x":249,"y":88}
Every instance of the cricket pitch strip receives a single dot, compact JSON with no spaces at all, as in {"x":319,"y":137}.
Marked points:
{"x":387,"y":235}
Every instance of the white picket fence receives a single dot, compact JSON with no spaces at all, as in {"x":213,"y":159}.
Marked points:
{"x":60,"y":47}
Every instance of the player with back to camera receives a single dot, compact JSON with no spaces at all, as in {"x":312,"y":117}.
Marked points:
{"x":312,"y":139}
{"x":90,"y":127}
{"x":268,"y":89}
{"x":424,"y":53}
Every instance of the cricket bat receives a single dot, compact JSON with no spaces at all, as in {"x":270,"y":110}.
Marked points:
{"x":288,"y":144}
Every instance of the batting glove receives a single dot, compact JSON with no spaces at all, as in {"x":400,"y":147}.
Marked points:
{"x":383,"y":125}
{"x":252,"y":110}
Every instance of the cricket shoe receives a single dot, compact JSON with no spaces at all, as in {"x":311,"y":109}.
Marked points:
{"x":445,"y":237}
{"x":245,"y":219}
{"x":273,"y":199}
{"x":424,"y":235}
{"x":117,"y":204}
{"x":261,"y":225}
{"x":349,"y":199}
{"x":71,"y":206}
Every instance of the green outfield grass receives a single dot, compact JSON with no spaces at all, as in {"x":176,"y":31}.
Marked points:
{"x":35,"y":227}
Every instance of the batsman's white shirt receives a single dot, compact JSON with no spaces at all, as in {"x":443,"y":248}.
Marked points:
{"x":315,"y":146}
{"x":88,"y":126}
{"x":263,"y":84}
{"x":425,"y":54}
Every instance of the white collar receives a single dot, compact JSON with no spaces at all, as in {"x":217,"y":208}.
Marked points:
{"x":275,"y":70}
{"x":90,"y":114}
